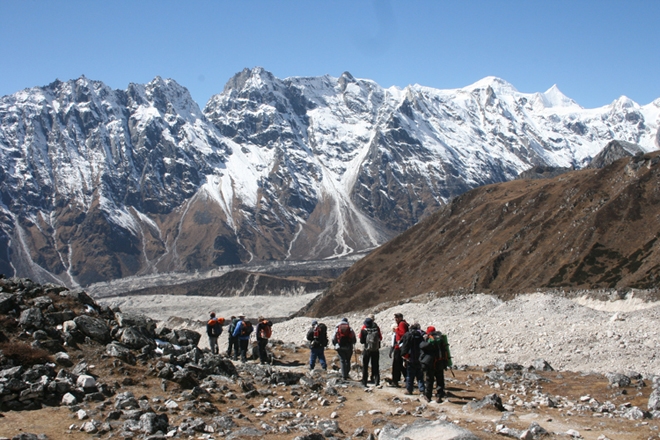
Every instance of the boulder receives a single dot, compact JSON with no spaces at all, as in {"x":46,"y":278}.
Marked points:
{"x":7,"y":302}
{"x":490,"y":402}
{"x":117,"y":350}
{"x":93,"y":327}
{"x":654,"y":400}
{"x":135,"y":337}
{"x":427,"y":430}
{"x":79,"y":295}
{"x":136,"y":320}
{"x":618,"y":380}
{"x":31,"y":318}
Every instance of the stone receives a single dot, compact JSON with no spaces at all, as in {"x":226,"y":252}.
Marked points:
{"x":654,"y":400}
{"x":133,"y":337}
{"x":491,"y":401}
{"x":618,"y":379}
{"x":85,"y":381}
{"x":93,"y":327}
{"x":69,"y":399}
{"x":31,"y":318}
{"x":79,"y":295}
{"x":428,"y":430}
{"x":62,"y":358}
{"x":7,"y":302}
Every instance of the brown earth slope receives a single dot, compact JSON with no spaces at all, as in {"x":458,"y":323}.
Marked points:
{"x":583,"y":229}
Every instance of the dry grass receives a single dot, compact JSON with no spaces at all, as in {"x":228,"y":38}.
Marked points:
{"x":24,"y":354}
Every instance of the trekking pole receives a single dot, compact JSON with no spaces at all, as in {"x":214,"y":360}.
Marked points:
{"x":452,"y":372}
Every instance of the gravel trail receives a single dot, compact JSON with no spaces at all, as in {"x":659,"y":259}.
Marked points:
{"x":571,"y":334}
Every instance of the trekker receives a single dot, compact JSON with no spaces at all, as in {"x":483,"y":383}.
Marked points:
{"x":370,"y":337}
{"x":264,"y":332}
{"x":317,"y":336}
{"x":232,"y":344}
{"x":213,"y":330}
{"x":397,"y":359}
{"x":243,"y":331}
{"x":343,"y":340}
{"x":410,"y":352}
{"x":433,"y":355}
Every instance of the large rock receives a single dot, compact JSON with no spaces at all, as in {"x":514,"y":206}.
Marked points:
{"x":79,"y":295}
{"x":490,"y":402}
{"x":31,"y":318}
{"x":7,"y":302}
{"x":133,"y":337}
{"x":93,"y":327}
{"x":184,"y":337}
{"x":425,"y":430}
{"x":654,"y":400}
{"x":136,"y":320}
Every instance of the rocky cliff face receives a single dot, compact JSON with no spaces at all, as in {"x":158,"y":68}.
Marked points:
{"x":99,"y":184}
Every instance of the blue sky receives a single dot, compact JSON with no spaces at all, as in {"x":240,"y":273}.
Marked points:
{"x":595,"y":51}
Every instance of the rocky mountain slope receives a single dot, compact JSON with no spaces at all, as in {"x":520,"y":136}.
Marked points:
{"x":98,"y":184}
{"x":595,"y":228}
{"x":72,"y":368}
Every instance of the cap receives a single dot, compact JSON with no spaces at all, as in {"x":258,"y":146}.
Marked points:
{"x":430,"y":329}
{"x":212,"y":314}
{"x":314,"y":322}
{"x":368,"y":322}
{"x":344,"y":320}
{"x":241,"y":315}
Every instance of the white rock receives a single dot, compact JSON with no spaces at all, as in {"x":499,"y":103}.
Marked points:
{"x":86,"y":381}
{"x":82,"y":414}
{"x":69,"y":399}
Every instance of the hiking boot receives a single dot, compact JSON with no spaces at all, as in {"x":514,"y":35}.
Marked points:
{"x":439,"y":399}
{"x":394,"y":385}
{"x":424,"y":398}
{"x":408,"y":393}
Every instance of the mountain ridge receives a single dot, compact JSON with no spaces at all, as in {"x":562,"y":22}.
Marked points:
{"x":583,"y":229}
{"x":98,"y":184}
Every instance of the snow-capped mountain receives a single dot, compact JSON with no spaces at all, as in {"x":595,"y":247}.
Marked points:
{"x":99,"y":184}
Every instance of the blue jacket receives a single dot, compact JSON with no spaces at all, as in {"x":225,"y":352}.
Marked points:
{"x":237,"y":331}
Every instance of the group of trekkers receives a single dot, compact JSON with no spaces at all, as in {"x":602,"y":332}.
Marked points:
{"x":239,"y":333}
{"x":417,"y":355}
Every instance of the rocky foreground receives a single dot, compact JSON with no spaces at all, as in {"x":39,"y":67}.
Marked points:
{"x":73,"y":368}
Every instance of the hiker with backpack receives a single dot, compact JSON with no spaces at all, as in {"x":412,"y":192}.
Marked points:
{"x":397,"y":359}
{"x":264,"y":331}
{"x":317,"y":336}
{"x":433,"y":357}
{"x":343,"y":340}
{"x":232,"y":343}
{"x":243,"y":331}
{"x":410,"y":352}
{"x":213,"y":330}
{"x":370,"y":337}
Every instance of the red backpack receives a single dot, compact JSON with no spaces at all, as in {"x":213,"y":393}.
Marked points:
{"x":344,"y":333}
{"x":266,"y":331}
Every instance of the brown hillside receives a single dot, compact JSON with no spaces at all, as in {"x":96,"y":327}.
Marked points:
{"x":583,"y":229}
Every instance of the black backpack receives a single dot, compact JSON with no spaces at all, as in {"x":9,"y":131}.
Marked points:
{"x":372,"y":340}
{"x":246,"y":328}
{"x":320,"y":336}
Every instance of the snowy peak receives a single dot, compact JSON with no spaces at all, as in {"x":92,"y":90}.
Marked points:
{"x":99,"y":184}
{"x":553,"y":97}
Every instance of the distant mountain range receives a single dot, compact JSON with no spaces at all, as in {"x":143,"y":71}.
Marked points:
{"x":98,"y":184}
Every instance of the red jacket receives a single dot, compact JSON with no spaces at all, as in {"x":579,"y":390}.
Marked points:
{"x":401,"y":330}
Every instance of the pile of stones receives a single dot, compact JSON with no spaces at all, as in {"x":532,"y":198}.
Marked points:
{"x":56,"y":321}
